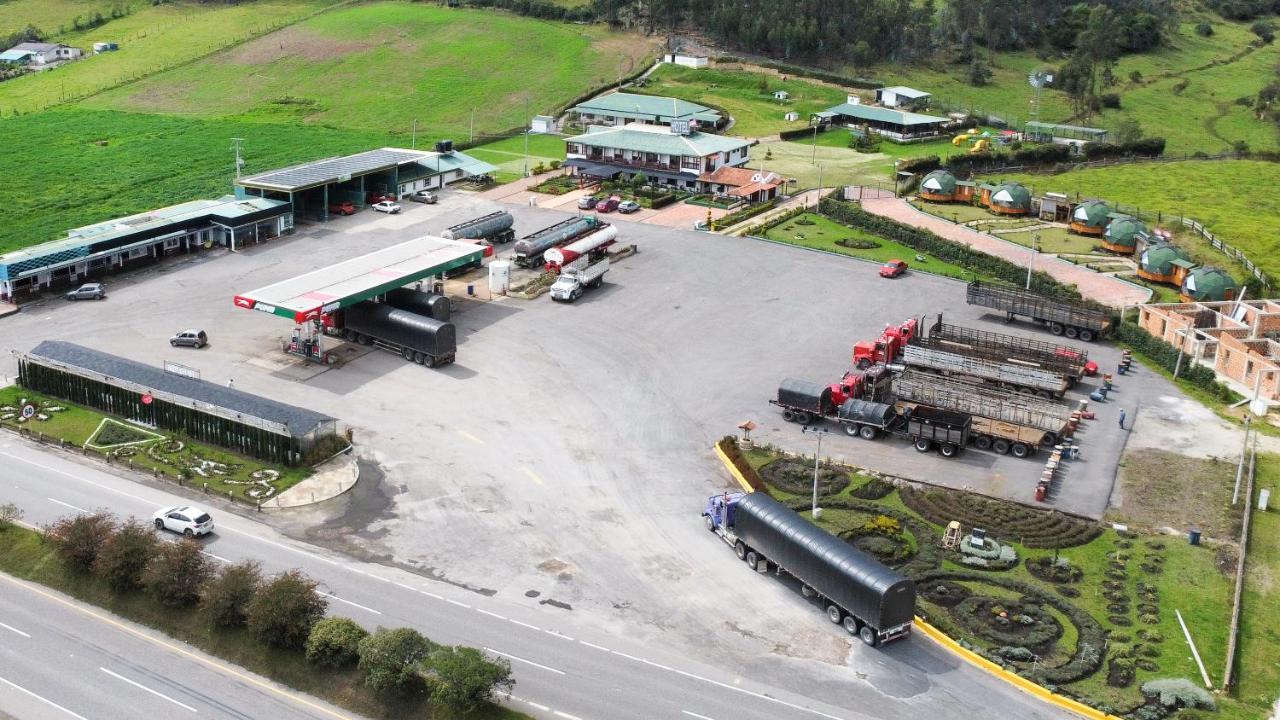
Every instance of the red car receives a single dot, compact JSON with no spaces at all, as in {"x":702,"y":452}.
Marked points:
{"x":342,"y":208}
{"x":893,"y":269}
{"x":609,"y":205}
{"x":381,"y":197}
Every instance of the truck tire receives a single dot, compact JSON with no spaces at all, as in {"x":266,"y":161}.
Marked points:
{"x":922,"y":445}
{"x":407,"y":354}
{"x":366,"y":340}
{"x":851,"y":429}
{"x":863,"y":364}
{"x":740,"y":549}
{"x":1044,"y":394}
{"x":803,"y":417}
{"x":348,"y":334}
{"x":752,"y":560}
{"x":868,"y":635}
{"x":1000,"y":445}
{"x":948,"y":450}
{"x":867,"y":432}
{"x":982,"y":442}
{"x":834,"y":613}
{"x":1072,"y":332}
{"x":1086,"y":335}
{"x":1020,"y":450}
{"x":419,"y":358}
{"x":851,"y":624}
{"x":789,"y":415}
{"x":711,"y":524}
{"x":1056,"y":328}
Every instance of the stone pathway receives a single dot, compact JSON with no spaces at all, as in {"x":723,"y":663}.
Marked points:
{"x":1103,"y":288}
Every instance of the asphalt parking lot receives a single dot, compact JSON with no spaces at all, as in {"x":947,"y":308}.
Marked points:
{"x":565,"y":457}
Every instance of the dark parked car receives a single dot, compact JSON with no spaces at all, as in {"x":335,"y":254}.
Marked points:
{"x":88,"y":291}
{"x":190,"y":338}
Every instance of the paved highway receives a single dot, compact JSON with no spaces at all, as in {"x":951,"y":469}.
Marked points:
{"x":565,"y":666}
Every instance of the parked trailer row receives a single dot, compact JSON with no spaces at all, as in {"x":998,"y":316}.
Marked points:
{"x":1001,"y":422}
{"x":496,"y":227}
{"x":1063,"y":318}
{"x":414,"y":337}
{"x":530,"y":249}
{"x":1071,"y":361}
{"x":937,"y":355}
{"x":871,"y":601}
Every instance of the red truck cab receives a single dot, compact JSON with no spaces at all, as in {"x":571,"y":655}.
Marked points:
{"x":851,"y":387}
{"x":887,"y":347}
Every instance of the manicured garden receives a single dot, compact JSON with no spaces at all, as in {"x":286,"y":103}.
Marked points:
{"x":118,"y":441}
{"x":1074,"y":605}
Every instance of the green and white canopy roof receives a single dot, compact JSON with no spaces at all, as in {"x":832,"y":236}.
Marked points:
{"x":651,"y":108}
{"x":1011,"y":195}
{"x":1093,"y":213}
{"x":939,"y":182}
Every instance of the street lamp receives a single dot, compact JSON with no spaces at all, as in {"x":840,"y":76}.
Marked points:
{"x":817,"y":511}
{"x":1035,"y":242}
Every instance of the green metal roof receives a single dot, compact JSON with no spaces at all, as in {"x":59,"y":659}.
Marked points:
{"x":647,"y":107}
{"x":638,"y":137}
{"x":872,"y":113}
{"x":455,"y":160}
{"x":1160,"y":258}
{"x":1093,"y":213}
{"x":1208,"y":284}
{"x":939,"y":181}
{"x":1124,"y":230}
{"x":1011,"y":195}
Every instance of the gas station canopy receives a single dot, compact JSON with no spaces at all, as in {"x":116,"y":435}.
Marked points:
{"x":308,"y":296}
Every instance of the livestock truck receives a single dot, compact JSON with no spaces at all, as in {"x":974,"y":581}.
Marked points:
{"x":1071,"y":361}
{"x":937,"y":355}
{"x":870,"y":600}
{"x":530,"y":249}
{"x":1002,"y":423}
{"x":803,"y":402}
{"x":414,"y":337}
{"x":1073,"y":319}
{"x":494,"y":227}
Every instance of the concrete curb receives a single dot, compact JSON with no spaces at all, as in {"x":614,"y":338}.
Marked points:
{"x":746,"y":486}
{"x":320,"y":486}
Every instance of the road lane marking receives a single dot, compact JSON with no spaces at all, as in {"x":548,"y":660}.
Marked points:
{"x":532,"y":475}
{"x":558,"y":634}
{"x":491,"y":614}
{"x":593,"y":645}
{"x":567,"y":716}
{"x":358,"y":605}
{"x":75,"y":477}
{"x":44,"y":700}
{"x":695,"y":715}
{"x":525,"y":624}
{"x":219,"y":558}
{"x":73,"y":507}
{"x":534,"y":705}
{"x":140,"y":686}
{"x":16,"y":630}
{"x":527,"y":662}
{"x":207,"y":662}
{"x":459,"y":604}
{"x":470,"y":437}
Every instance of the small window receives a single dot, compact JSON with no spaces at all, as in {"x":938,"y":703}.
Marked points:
{"x":1248,"y":368}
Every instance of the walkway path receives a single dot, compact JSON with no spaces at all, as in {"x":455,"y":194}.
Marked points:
{"x":1103,"y":288}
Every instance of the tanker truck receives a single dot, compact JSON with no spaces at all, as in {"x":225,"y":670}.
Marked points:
{"x":593,"y":247}
{"x":494,"y":227}
{"x":530,"y":248}
{"x":414,"y":337}
{"x":871,"y":601}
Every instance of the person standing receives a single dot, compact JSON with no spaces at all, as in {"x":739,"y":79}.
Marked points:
{"x":1121,"y":418}
{"x":231,"y":383}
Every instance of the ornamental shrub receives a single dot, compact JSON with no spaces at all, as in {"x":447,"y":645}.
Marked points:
{"x":125,"y":555}
{"x":334,"y":642}
{"x":283,"y":611}
{"x":177,"y":573}
{"x":77,"y":539}
{"x":225,"y":599}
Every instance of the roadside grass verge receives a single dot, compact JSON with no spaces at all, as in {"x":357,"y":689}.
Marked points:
{"x":24,"y":554}
{"x":77,"y":425}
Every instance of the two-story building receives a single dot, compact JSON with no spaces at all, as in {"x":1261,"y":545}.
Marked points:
{"x":664,"y":155}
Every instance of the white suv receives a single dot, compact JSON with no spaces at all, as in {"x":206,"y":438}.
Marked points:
{"x":188,"y":520}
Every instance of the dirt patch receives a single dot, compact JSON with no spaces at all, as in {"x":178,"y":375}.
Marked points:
{"x":293,"y":42}
{"x":1164,"y":489}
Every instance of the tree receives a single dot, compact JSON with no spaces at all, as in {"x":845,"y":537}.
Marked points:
{"x":125,"y":555}
{"x":78,"y":539}
{"x":390,"y":659}
{"x":463,"y":679}
{"x":1127,"y":131}
{"x":283,"y":611}
{"x":979,"y":73}
{"x":226,"y":598}
{"x":335,"y":642}
{"x":177,"y":573}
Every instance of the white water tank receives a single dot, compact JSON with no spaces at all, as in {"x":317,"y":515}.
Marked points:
{"x":499,"y":276}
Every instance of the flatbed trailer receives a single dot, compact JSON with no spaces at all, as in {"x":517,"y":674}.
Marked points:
{"x":1071,"y":361}
{"x":1073,"y":319}
{"x":938,"y":355}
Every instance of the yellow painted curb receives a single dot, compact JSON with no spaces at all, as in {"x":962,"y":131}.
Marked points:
{"x":733,"y":470}
{"x":1022,"y":683}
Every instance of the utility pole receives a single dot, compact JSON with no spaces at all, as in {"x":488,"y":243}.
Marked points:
{"x":236,"y":144}
{"x":1035,"y":241}
{"x":819,"y":182}
{"x":526,"y":135}
{"x":816,"y":512}
{"x":1177,"y":367}
{"x":813,"y":159}
{"x":473,"y":124}
{"x":413,"y":141}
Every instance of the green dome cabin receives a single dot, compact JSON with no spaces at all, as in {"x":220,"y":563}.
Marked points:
{"x":1007,"y":199}
{"x":1163,"y":262}
{"x":1090,"y":218}
{"x":1122,"y":233}
{"x":1208,"y":284}
{"x":938,"y":186}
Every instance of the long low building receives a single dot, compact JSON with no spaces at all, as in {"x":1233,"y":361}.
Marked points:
{"x":95,"y":250}
{"x":620,"y":108}
{"x":893,"y":124}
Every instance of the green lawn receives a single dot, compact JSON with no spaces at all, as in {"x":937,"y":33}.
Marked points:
{"x":384,"y":65}
{"x":1217,"y":193}
{"x":508,"y":154}
{"x":1051,"y":240}
{"x":823,"y":234}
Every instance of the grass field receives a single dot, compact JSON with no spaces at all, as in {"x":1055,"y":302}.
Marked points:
{"x":508,"y":154}
{"x":384,"y":65}
{"x":1051,"y":240}
{"x":1224,"y":195}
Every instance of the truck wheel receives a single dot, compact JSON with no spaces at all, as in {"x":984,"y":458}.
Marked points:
{"x":419,"y":358}
{"x":407,"y":354}
{"x":789,"y":415}
{"x":1044,"y":394}
{"x":803,"y":417}
{"x":868,"y":635}
{"x":922,"y":445}
{"x":851,"y":624}
{"x":863,"y":364}
{"x":1020,"y":450}
{"x":348,"y":334}
{"x":851,"y":429}
{"x":740,"y":549}
{"x":753,"y":560}
{"x":947,"y":450}
{"x":711,"y":524}
{"x":1000,"y":445}
{"x":834,"y":613}
{"x":1086,"y":334}
{"x":982,"y":442}
{"x":1072,"y":332}
{"x":867,"y":432}
{"x":1056,"y":328}
{"x":366,"y":339}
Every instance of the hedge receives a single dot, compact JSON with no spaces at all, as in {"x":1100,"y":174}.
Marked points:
{"x":751,"y":211}
{"x":851,"y":214}
{"x":1166,"y":356}
{"x":925,"y":164}
{"x":801,"y":133}
{"x":1146,"y":147}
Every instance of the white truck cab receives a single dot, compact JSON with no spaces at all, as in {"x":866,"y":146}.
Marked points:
{"x":573,"y":282}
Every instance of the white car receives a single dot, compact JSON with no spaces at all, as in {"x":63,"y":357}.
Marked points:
{"x":188,"y":520}
{"x":386,"y":206}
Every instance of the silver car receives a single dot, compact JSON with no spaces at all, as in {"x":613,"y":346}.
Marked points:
{"x":424,"y":196}
{"x":88,"y":291}
{"x":190,"y":338}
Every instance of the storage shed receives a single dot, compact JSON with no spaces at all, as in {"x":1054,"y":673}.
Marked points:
{"x":1122,"y":233}
{"x":1090,"y":217}
{"x":1208,"y":284}
{"x":1163,"y":262}
{"x":1007,"y":198}
{"x":938,"y":186}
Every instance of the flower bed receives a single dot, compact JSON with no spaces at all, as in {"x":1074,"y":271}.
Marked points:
{"x":1032,"y":527}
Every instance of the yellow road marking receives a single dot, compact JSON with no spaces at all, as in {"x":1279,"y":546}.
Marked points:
{"x":532,"y":475}
{"x":221,"y":667}
{"x":470,"y":437}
